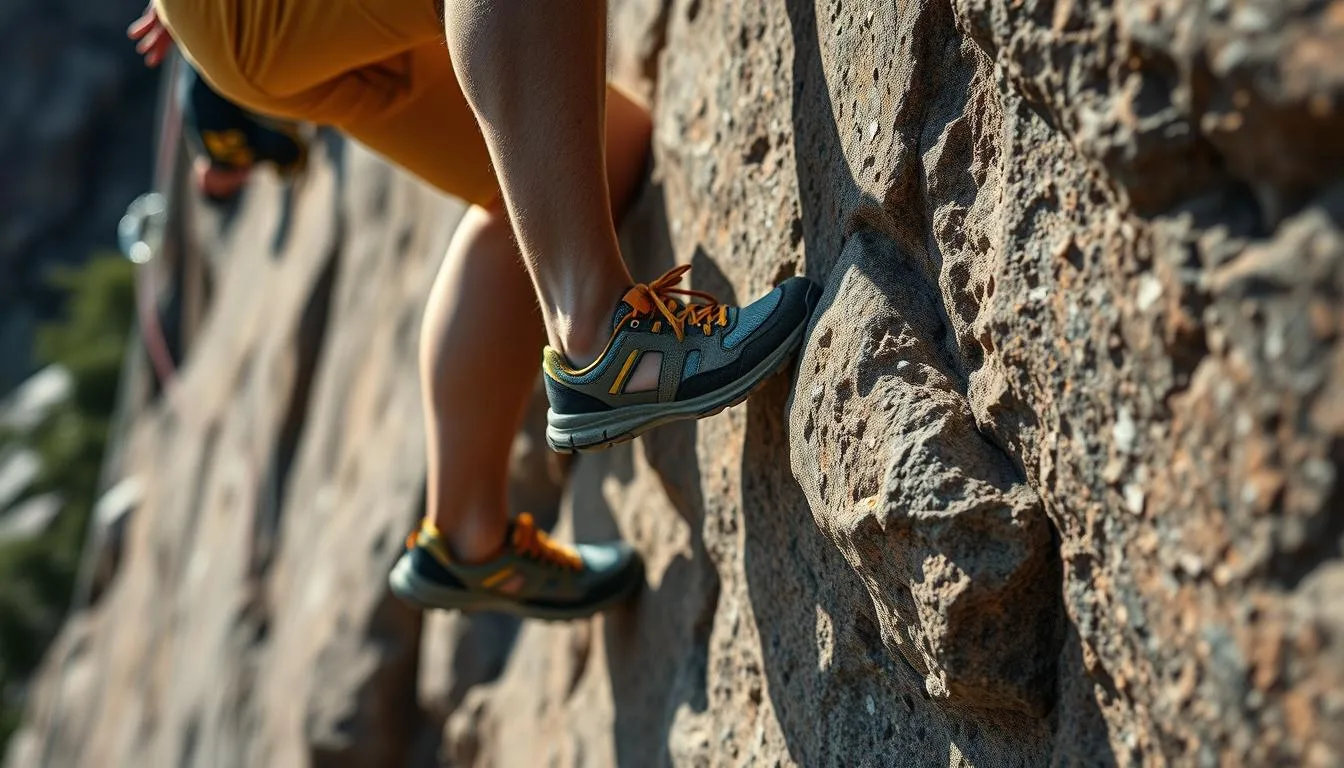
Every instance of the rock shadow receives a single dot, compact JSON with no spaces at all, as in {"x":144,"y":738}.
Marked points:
{"x":1080,"y":734}
{"x":802,"y":588}
{"x":657,"y":646}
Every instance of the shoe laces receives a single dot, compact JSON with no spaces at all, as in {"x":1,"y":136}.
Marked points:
{"x":661,"y":296}
{"x":533,"y":542}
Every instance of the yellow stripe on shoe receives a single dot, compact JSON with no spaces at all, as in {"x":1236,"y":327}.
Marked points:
{"x":619,"y":383}
{"x":497,"y":577}
{"x":429,"y":537}
{"x":436,"y":548}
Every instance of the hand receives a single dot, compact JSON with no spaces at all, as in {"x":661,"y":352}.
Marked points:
{"x":155,"y":42}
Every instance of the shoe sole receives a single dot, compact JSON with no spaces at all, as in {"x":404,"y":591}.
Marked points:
{"x":590,"y":432}
{"x":422,"y":594}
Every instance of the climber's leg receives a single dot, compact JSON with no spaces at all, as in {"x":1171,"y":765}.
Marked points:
{"x":534,"y":73}
{"x":480,"y":326}
{"x":478,"y":353}
{"x":624,"y":358}
{"x":481,"y":332}
{"x":481,"y":303}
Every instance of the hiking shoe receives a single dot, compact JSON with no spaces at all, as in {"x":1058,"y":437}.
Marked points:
{"x":533,"y":576}
{"x":711,"y":356}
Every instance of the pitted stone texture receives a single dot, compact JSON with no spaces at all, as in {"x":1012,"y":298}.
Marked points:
{"x":952,"y":545}
{"x":1111,"y":233}
{"x":1177,"y":99}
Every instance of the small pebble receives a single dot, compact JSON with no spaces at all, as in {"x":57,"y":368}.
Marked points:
{"x":1134,"y":498}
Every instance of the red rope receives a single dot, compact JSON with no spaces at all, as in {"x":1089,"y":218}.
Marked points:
{"x":165,"y":167}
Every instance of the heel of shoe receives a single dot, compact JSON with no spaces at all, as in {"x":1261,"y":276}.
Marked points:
{"x":418,"y":592}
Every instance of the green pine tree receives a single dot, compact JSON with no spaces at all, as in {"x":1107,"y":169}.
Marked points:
{"x":37,"y":575}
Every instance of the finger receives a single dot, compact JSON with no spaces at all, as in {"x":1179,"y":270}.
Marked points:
{"x":149,"y":41}
{"x":142,"y":25}
{"x":159,"y":53}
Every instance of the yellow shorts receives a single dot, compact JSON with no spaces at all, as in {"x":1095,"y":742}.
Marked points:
{"x":376,"y":69}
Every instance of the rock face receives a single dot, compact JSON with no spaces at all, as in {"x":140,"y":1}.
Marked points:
{"x":76,"y":143}
{"x":1057,"y":479}
{"x":952,"y":545}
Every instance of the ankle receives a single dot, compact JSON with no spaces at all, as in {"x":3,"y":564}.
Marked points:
{"x":583,"y":347}
{"x":472,"y":542}
{"x":584,"y":332}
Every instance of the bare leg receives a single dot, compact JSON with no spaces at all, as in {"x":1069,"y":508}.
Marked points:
{"x":481,"y":303}
{"x":534,"y":73}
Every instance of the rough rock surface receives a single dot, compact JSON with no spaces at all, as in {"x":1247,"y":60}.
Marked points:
{"x":1057,"y":479}
{"x":249,"y":624}
{"x":953,"y":546}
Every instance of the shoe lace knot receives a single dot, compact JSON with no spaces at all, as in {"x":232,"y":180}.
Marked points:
{"x":661,"y":297}
{"x":533,"y":542}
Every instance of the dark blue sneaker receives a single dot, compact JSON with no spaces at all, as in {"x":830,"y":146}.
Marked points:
{"x":533,"y":576}
{"x":710,"y":356}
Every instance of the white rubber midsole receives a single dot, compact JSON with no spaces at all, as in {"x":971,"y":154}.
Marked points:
{"x":561,"y":427}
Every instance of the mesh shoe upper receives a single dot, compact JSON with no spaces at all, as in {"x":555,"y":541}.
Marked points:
{"x":703,"y":345}
{"x":530,"y":568}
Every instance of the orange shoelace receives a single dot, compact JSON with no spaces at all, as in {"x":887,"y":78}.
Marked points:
{"x":658,"y":296}
{"x":534,"y":543}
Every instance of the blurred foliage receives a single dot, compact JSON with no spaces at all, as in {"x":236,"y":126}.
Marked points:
{"x":37,"y":575}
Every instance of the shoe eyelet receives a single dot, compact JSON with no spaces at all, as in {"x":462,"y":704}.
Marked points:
{"x":634,"y":325}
